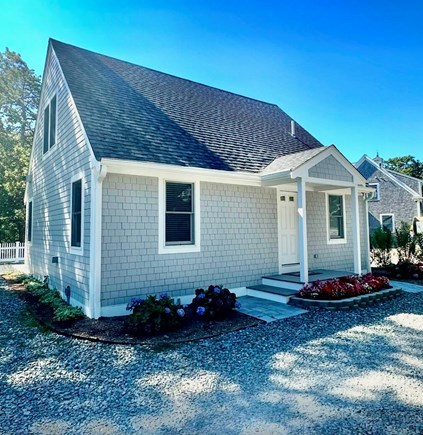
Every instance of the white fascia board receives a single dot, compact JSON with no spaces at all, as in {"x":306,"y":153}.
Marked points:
{"x":302,"y":170}
{"x":276,"y":178}
{"x":150,"y":169}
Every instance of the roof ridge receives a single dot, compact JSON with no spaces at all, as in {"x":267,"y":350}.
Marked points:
{"x":170,"y":75}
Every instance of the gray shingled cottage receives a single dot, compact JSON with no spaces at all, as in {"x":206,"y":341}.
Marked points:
{"x":398,"y":197}
{"x":142,"y":182}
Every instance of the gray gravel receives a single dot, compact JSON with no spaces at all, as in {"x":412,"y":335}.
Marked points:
{"x":320,"y":373}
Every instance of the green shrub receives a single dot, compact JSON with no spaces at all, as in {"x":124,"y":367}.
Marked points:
{"x":66,"y":313}
{"x":38,"y":291}
{"x":31,"y":285}
{"x":405,"y":243}
{"x":152,"y":315}
{"x":381,"y":242}
{"x":62,"y":312}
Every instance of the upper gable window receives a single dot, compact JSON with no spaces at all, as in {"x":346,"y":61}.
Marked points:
{"x":50,"y":123}
{"x":336,"y":219}
{"x":376,"y":195}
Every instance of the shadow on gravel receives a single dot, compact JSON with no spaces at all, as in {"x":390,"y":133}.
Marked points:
{"x":323,"y":372}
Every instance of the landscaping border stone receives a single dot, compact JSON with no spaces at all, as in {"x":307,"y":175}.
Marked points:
{"x":348,"y":303}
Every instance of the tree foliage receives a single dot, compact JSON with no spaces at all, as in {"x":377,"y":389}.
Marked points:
{"x":20,"y":91}
{"x":407,"y":165}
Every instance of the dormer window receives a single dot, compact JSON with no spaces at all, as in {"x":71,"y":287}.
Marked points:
{"x":50,"y":115}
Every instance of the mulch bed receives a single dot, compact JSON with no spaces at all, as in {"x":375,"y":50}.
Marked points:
{"x":112,"y":329}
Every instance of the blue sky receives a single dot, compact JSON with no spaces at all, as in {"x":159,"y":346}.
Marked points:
{"x":351,"y":72}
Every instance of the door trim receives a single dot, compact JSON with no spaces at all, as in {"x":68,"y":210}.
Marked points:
{"x":289,"y":267}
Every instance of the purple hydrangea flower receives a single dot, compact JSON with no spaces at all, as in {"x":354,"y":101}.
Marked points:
{"x":163,"y":295}
{"x":134,"y":303}
{"x":201,"y":311}
{"x":217,"y":290}
{"x":180,"y":312}
{"x":237,"y":305}
{"x":201,"y":296}
{"x":167,"y":310}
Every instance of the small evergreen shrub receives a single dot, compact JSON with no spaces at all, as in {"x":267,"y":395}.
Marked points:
{"x":67,"y":313}
{"x":62,"y":312}
{"x":214,"y":303}
{"x":153,"y":315}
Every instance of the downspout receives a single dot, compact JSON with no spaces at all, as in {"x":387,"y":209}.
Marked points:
{"x":98,"y":173}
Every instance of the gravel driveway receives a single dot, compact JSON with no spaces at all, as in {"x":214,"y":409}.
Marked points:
{"x":322,"y":372}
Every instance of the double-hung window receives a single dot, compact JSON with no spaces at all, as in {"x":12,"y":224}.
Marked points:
{"x":336,"y":218}
{"x":76,"y":214}
{"x":179,"y":212}
{"x":50,"y":122}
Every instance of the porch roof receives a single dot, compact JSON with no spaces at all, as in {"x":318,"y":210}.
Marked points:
{"x":286,"y":169}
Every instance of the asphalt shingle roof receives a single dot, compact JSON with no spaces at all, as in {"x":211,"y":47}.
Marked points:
{"x":291,"y":162}
{"x":135,"y":113}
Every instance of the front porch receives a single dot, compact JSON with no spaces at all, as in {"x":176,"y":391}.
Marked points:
{"x":322,"y":217}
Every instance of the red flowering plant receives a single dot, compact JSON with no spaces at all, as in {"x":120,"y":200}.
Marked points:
{"x":345,"y":287}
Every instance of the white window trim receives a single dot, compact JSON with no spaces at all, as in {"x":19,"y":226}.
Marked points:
{"x":30,"y":200}
{"x":393,"y":220}
{"x":335,"y":241}
{"x":75,"y":249}
{"x":178,"y":249}
{"x":377,"y":192}
{"x":55,"y":144}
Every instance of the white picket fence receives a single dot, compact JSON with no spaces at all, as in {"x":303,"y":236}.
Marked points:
{"x":12,"y":252}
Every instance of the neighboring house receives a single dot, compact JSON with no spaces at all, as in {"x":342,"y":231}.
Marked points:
{"x":141,"y":182}
{"x":397,"y":197}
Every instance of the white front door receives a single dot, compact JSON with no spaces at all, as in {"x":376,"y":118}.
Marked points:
{"x":288,"y":232}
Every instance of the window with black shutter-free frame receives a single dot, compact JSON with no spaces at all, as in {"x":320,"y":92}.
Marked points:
{"x":29,"y":223}
{"x":53,"y":121}
{"x":336,"y":217}
{"x":76,"y":214}
{"x":179,"y":213}
{"x":46,"y":128}
{"x":50,"y":123}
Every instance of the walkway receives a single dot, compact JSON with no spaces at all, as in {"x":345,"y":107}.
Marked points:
{"x":269,"y":311}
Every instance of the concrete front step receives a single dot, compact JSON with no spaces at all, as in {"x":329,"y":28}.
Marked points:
{"x":271,"y":293}
{"x":276,"y":281}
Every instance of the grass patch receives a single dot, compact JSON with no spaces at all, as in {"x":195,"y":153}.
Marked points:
{"x":16,"y":277}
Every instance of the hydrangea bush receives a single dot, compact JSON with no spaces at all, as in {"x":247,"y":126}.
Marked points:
{"x":345,"y":287}
{"x":214,"y":303}
{"x":152,"y":315}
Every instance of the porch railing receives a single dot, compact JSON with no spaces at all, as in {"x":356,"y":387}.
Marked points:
{"x":12,"y":252}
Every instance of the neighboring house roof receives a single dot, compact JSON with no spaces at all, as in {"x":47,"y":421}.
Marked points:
{"x":392,"y":175}
{"x":135,"y":113}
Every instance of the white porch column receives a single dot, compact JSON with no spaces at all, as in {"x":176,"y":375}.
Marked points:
{"x":356,"y":229}
{"x":302,"y":230}
{"x":366,"y":222}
